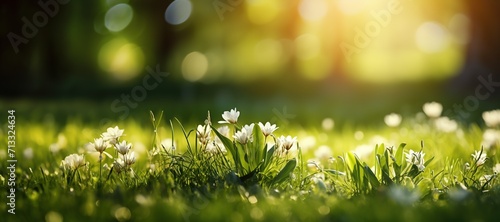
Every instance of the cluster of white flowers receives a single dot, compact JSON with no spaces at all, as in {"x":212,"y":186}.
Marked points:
{"x":417,"y":159}
{"x":111,"y":138}
{"x":433,"y":110}
{"x":491,"y":136}
{"x":245,"y":134}
{"x":73,"y":161}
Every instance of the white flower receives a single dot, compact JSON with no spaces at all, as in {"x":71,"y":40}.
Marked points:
{"x":119,"y":165}
{"x":73,"y":161}
{"x":492,"y":118}
{"x":267,"y":129}
{"x":230,"y":116}
{"x":129,"y":158}
{"x":249,"y":128}
{"x":433,"y":109}
{"x":123,"y":147}
{"x":490,"y":138}
{"x":99,"y":145}
{"x":445,"y":124}
{"x":243,"y":136}
{"x":393,"y":120}
{"x":112,"y":135}
{"x":416,"y":158}
{"x":214,"y":147}
{"x":223,"y":130}
{"x":479,"y":157}
{"x":287,"y":142}
{"x":203,"y":133}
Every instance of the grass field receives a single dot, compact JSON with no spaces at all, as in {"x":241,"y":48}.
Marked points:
{"x":182,"y":167}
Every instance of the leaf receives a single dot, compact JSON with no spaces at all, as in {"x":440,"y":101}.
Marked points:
{"x":225,"y":141}
{"x":428,"y":161}
{"x":158,"y":121}
{"x":285,"y":172}
{"x":371,"y":176}
{"x":257,"y":144}
{"x":399,"y":154}
{"x":334,"y":172}
{"x":152,"y":117}
{"x":267,"y":157}
{"x":249,"y":175}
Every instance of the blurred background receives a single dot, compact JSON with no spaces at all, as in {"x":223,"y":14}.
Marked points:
{"x":362,"y":56}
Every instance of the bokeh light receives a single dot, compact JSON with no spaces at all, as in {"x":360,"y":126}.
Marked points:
{"x":122,"y":59}
{"x":459,"y":28}
{"x":431,"y":37}
{"x":307,"y":46}
{"x":194,"y":66}
{"x":178,"y":12}
{"x":262,"y":11}
{"x":351,"y":7}
{"x":118,"y":17}
{"x":313,"y":10}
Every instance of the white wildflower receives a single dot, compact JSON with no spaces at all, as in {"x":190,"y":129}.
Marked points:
{"x":73,"y":161}
{"x":492,"y":118}
{"x":416,"y":158}
{"x":99,"y":145}
{"x":112,"y":135}
{"x":479,"y":157}
{"x":287,"y":142}
{"x":491,"y":138}
{"x":393,"y":120}
{"x":123,"y":147}
{"x":433,"y":109}
{"x":230,"y":116}
{"x":129,"y":158}
{"x":223,"y":130}
{"x":249,"y":128}
{"x":267,"y":129}
{"x":243,"y":136}
{"x":203,"y":133}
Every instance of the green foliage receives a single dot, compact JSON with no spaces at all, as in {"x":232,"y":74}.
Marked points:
{"x":186,"y":180}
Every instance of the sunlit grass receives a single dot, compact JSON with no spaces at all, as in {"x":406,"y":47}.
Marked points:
{"x":336,"y":171}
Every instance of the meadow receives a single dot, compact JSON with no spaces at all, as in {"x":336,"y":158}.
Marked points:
{"x":246,"y":164}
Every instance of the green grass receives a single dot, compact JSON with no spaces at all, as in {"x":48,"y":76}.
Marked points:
{"x":248,"y":182}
